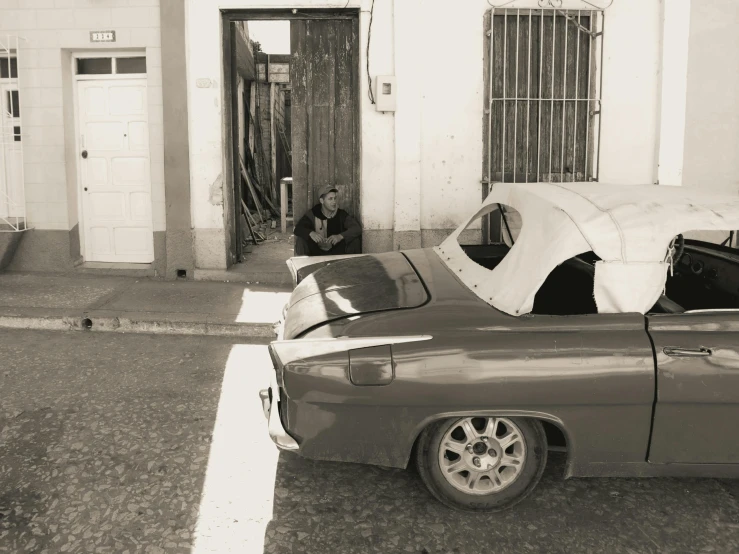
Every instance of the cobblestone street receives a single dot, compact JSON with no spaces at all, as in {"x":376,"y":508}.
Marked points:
{"x":140,"y":443}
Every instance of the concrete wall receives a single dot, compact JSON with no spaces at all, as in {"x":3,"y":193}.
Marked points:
{"x":631,"y":92}
{"x":178,"y":245}
{"x":422,"y":165}
{"x":53,"y":29}
{"x":712,"y":115}
{"x":206,"y":130}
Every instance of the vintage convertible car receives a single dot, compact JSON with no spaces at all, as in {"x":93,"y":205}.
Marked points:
{"x":596,"y":327}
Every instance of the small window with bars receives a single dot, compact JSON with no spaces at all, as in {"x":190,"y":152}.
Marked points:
{"x":542,"y":90}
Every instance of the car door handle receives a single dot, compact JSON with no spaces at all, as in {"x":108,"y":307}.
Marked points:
{"x":686,"y":352}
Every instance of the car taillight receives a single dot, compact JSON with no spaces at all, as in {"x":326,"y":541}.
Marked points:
{"x":277,"y":365}
{"x":284,"y":414}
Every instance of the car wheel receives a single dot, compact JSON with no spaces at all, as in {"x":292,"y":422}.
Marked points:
{"x":482,"y":464}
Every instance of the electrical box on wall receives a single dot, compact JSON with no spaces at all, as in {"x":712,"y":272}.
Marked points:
{"x":385,"y":93}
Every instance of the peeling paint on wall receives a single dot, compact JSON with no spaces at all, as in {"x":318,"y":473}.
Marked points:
{"x":216,"y":191}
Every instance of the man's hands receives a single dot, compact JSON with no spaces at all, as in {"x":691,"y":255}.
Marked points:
{"x":333,"y":240}
{"x":318,"y":239}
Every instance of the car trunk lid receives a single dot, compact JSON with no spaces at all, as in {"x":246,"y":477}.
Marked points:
{"x":354,"y":286}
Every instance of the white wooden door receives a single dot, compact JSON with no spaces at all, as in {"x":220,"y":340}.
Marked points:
{"x":11,"y":155}
{"x":115,"y":171}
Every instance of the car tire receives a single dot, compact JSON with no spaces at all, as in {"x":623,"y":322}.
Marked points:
{"x":429,"y":462}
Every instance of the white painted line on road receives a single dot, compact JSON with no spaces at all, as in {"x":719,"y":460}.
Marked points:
{"x":238,"y":494}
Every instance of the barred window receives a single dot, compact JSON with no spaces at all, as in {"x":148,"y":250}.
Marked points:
{"x":542,"y":90}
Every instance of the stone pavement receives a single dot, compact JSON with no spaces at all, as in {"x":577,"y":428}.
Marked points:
{"x":139,"y":305}
{"x":120,"y":443}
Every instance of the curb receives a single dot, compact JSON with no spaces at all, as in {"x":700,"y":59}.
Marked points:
{"x":91,"y":322}
{"x":282,"y":279}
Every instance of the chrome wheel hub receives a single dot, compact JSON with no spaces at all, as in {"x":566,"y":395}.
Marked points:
{"x":480,"y":455}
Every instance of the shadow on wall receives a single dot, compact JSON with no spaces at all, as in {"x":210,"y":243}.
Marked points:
{"x":9,"y":241}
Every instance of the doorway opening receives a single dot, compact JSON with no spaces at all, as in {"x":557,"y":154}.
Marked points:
{"x":291,"y":84}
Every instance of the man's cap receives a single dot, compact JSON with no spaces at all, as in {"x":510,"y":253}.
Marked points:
{"x":323,"y":191}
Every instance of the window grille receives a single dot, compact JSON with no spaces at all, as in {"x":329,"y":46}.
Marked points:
{"x":542,"y":86}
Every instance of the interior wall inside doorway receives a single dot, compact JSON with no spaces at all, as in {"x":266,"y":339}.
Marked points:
{"x":259,"y":130}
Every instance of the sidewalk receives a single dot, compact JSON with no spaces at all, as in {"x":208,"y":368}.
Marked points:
{"x":80,"y":302}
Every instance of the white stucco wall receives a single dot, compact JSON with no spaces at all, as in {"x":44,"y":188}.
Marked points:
{"x":378,"y":130}
{"x":711,"y":159}
{"x":673,"y":87}
{"x":49,"y":29}
{"x":452,"y":112}
{"x":453,"y":102}
{"x":421,"y":167}
{"x":631,"y":92}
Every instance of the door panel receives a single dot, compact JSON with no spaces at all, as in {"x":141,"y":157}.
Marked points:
{"x":97,"y":171}
{"x":116,"y":178}
{"x":138,"y":137}
{"x":130,"y":171}
{"x":697,"y":412}
{"x":104,"y":135}
{"x":94,"y":100}
{"x":11,"y":154}
{"x":99,"y":240}
{"x":107,"y":205}
{"x":127,"y":101}
{"x":325,"y":112}
{"x":140,"y":204}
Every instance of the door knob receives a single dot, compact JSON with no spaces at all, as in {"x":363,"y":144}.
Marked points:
{"x":84,"y":154}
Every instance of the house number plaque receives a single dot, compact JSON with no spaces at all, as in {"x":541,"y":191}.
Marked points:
{"x":102,"y":36}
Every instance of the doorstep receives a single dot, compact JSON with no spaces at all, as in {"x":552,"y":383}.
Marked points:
{"x":116,"y":269}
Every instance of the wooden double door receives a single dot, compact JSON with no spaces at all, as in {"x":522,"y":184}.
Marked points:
{"x":324,"y":76}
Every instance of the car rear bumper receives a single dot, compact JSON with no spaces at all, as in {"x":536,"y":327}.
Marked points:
{"x":271,"y":407}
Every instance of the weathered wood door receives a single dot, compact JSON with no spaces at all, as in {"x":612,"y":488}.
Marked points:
{"x":324,"y":74}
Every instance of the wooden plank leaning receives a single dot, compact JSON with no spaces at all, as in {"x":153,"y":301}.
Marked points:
{"x":254,"y":183}
{"x":257,"y":203}
{"x":256,"y":236}
{"x":254,"y":224}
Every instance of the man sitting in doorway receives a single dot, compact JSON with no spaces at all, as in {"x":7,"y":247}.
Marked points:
{"x":326,"y":229}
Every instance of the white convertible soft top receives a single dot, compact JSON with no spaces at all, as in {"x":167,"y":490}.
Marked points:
{"x":629,"y":227}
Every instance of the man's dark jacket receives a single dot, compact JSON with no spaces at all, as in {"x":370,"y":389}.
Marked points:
{"x":342,"y":223}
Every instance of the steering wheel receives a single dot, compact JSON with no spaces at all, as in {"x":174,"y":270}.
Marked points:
{"x":679,"y":246}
